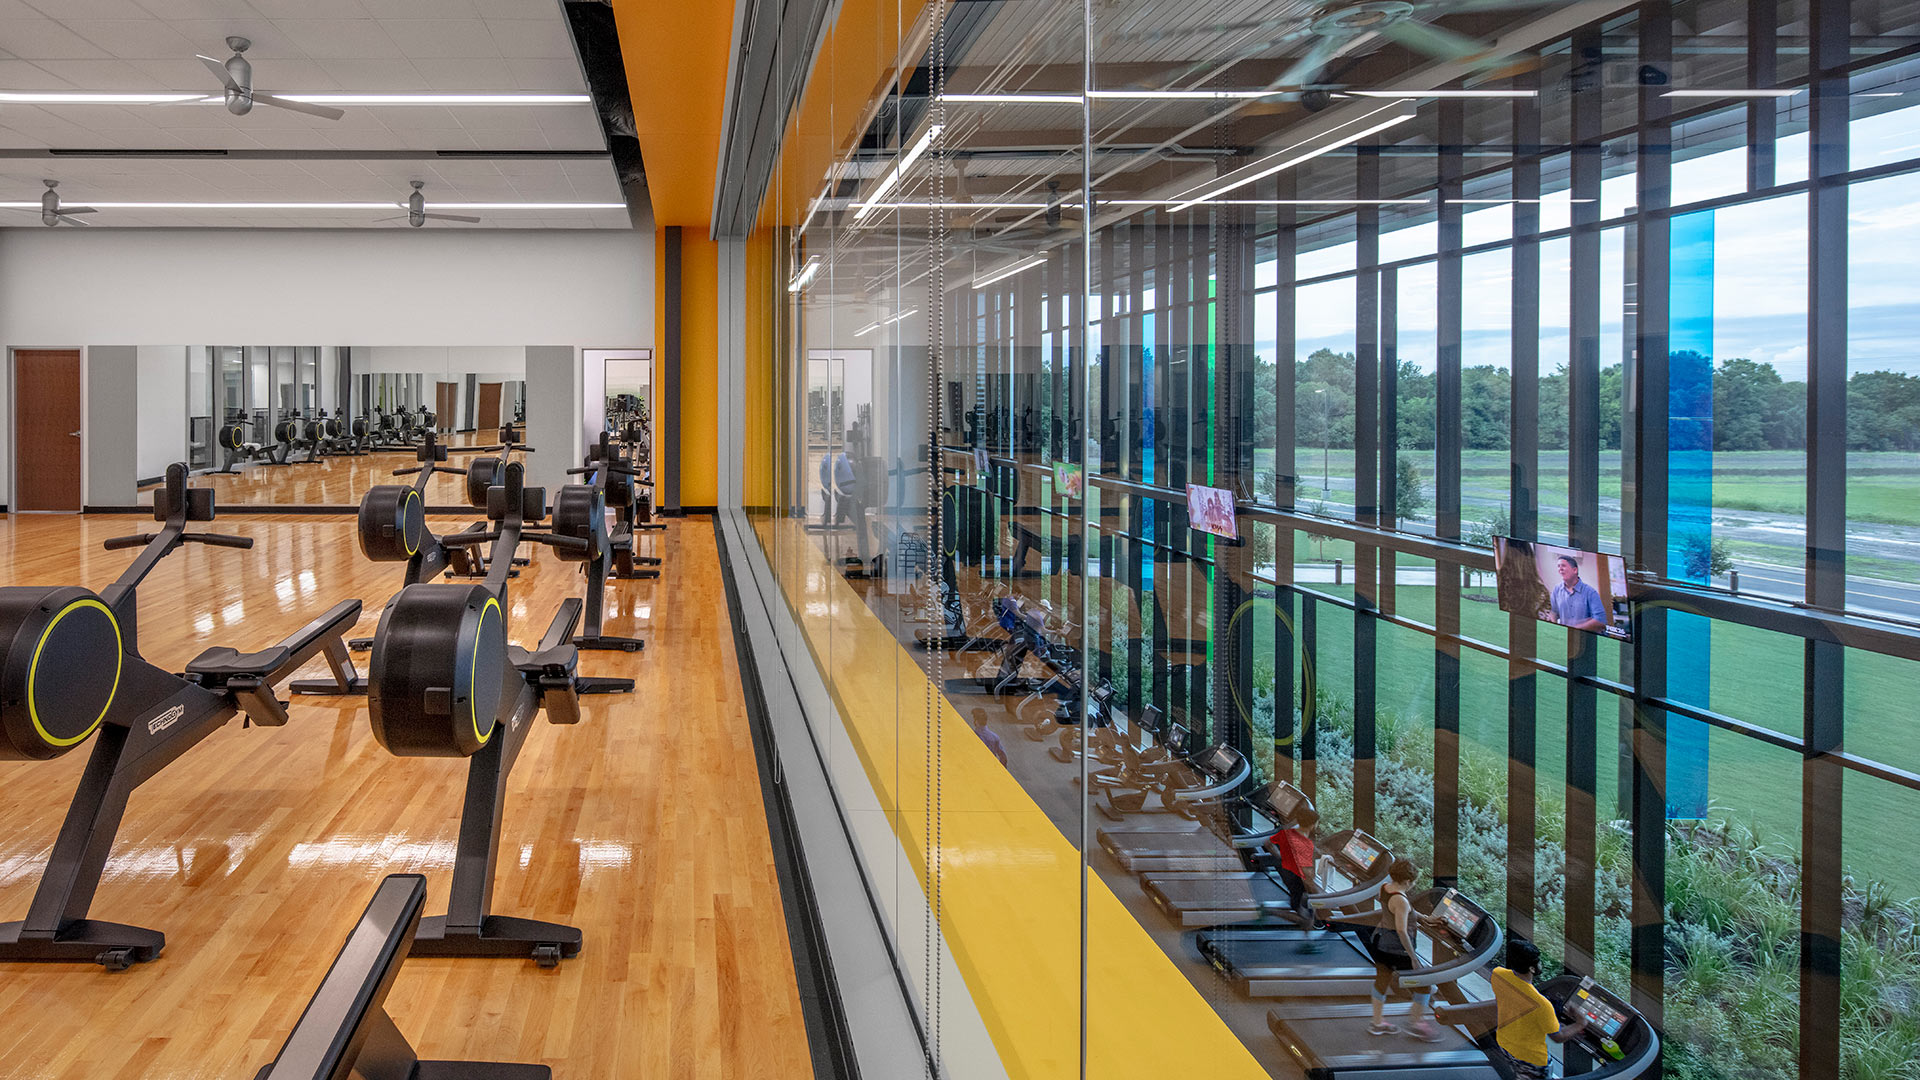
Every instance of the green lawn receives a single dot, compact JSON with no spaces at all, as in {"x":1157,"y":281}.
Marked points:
{"x":1756,"y":677}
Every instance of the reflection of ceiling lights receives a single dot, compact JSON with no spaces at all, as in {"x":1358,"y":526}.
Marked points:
{"x":1368,"y":123}
{"x":805,"y":277}
{"x":1012,"y":99}
{"x":91,"y":97}
{"x":1442,"y":93}
{"x":1274,"y":202}
{"x":954,"y":204}
{"x":1184,"y":95}
{"x":900,"y":170}
{"x":878,"y":323}
{"x":1730,"y":93}
{"x":1016,"y":268}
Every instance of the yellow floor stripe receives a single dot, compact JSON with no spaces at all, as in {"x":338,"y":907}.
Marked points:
{"x":1010,"y":882}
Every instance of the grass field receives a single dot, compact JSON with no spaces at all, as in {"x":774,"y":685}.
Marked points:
{"x":1882,"y":489}
{"x":1756,"y":677}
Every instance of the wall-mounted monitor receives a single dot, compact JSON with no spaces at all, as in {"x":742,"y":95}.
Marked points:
{"x":1584,"y":590}
{"x":1211,"y":510}
{"x":1070,"y":481}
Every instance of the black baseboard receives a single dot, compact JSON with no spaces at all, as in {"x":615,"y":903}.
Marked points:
{"x":149,"y":481}
{"x":116,"y":509}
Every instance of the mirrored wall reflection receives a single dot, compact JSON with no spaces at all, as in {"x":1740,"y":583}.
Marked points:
{"x":295,"y":425}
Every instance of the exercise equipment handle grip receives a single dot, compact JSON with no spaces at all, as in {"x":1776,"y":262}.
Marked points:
{"x":407,"y":471}
{"x":221,"y":540}
{"x":136,"y":540}
{"x":571,"y":543}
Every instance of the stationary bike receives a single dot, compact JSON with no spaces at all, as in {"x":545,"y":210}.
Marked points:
{"x":445,"y":681}
{"x":70,"y":668}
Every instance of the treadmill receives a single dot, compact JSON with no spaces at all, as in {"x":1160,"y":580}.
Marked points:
{"x":1266,"y":962}
{"x":1179,"y":845}
{"x":1332,"y":1043}
{"x":1351,"y":870}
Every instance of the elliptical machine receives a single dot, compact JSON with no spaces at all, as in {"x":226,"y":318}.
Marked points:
{"x":70,"y":668}
{"x":445,"y":681}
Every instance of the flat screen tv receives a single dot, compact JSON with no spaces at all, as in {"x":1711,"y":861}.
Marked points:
{"x":1211,"y":510}
{"x":1584,"y":590}
{"x":1070,"y":481}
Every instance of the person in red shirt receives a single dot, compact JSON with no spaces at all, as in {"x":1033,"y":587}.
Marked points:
{"x":1294,"y":848}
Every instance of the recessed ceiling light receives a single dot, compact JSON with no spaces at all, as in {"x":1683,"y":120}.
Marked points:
{"x":1013,"y":99}
{"x":99,"y":205}
{"x":1730,"y":93}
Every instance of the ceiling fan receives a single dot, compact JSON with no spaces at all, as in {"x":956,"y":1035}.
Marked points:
{"x":417,"y":214}
{"x":1334,"y":27}
{"x":52,"y":213}
{"x":236,"y":74}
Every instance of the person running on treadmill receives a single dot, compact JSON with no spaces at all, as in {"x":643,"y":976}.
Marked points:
{"x":1526,"y":1018}
{"x":1389,"y":934}
{"x":1294,"y":846}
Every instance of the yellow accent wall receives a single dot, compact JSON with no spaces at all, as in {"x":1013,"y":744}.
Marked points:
{"x":699,"y":369}
{"x":677,"y":53}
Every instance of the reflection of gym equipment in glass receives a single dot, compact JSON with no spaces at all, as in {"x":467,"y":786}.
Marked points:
{"x":445,"y":681}
{"x":240,"y":450}
{"x":1350,"y":870}
{"x":346,"y":1031}
{"x":580,"y":511}
{"x":1188,"y":785}
{"x":71,"y":668}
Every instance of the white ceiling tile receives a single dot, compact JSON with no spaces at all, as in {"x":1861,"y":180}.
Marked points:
{"x":340,"y":39}
{"x":532,"y":38}
{"x":487,"y":75}
{"x":15,"y":140}
{"x":180,"y":72}
{"x":311,"y":9}
{"x":102,"y":75}
{"x":133,"y":39}
{"x":547,"y":73}
{"x":420,"y":9}
{"x":23,"y":75}
{"x":200,"y":9}
{"x":18,"y":9}
{"x":375,"y":76}
{"x":68,"y":10}
{"x":441,"y":37}
{"x":44,"y":39}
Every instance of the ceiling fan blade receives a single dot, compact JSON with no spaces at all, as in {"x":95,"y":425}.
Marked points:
{"x":219,"y":70}
{"x":65,"y":220}
{"x":1433,"y":41}
{"x":76,"y":210}
{"x":453,"y":217}
{"x":1309,"y":65}
{"x":324,"y":112}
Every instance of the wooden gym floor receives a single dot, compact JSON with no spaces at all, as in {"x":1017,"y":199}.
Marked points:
{"x":256,"y":851}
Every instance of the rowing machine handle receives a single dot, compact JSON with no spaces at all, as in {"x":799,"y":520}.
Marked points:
{"x":407,"y":471}
{"x":134,"y":541}
{"x":579,"y":472}
{"x":569,"y":543}
{"x":220,"y":540}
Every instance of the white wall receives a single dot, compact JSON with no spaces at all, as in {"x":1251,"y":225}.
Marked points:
{"x":351,"y":287}
{"x":160,"y":420}
{"x":440,"y":359}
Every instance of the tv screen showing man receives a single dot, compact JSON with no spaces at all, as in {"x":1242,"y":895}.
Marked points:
{"x":1581,"y":590}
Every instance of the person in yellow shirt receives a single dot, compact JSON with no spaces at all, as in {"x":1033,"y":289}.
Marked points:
{"x":1526,"y":1018}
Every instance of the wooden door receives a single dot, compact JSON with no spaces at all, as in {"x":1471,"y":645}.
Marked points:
{"x":444,"y":396}
{"x":46,"y":429}
{"x":489,"y":407}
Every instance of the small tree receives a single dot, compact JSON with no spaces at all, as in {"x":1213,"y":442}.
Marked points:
{"x":1317,"y":508}
{"x":1481,"y":534}
{"x":1263,"y":545}
{"x":1409,"y":494}
{"x":1705,"y":558}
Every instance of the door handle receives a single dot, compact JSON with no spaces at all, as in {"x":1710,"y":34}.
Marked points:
{"x":75,"y":434}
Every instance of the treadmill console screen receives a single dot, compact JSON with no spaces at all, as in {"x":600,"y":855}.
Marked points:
{"x":1218,"y":761}
{"x":1605,"y":1014}
{"x":1362,"y":850}
{"x":1459,"y":918}
{"x":1285,"y":799}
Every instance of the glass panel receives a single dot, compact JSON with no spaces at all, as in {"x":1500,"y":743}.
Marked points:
{"x":1883,"y":397}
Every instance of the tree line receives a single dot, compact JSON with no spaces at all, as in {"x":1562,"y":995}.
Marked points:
{"x":1753,"y":407}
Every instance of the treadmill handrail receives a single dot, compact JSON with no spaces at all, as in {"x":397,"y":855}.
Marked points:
{"x":1463,"y":964}
{"x":1366,"y":888}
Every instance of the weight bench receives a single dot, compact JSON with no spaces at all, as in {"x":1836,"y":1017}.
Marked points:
{"x":345,"y":1030}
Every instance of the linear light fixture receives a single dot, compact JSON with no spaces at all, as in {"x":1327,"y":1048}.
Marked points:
{"x":1275,"y":202}
{"x":805,"y":277}
{"x":1729,"y":93}
{"x":1013,"y":99}
{"x":878,"y":323}
{"x":1184,"y":95}
{"x":899,"y":170}
{"x":1442,"y":93}
{"x":61,"y":97}
{"x":1016,"y":268}
{"x":1369,"y":123}
{"x":439,"y":99}
{"x":1503,"y":202}
{"x":954,"y":205}
{"x":99,"y":205}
